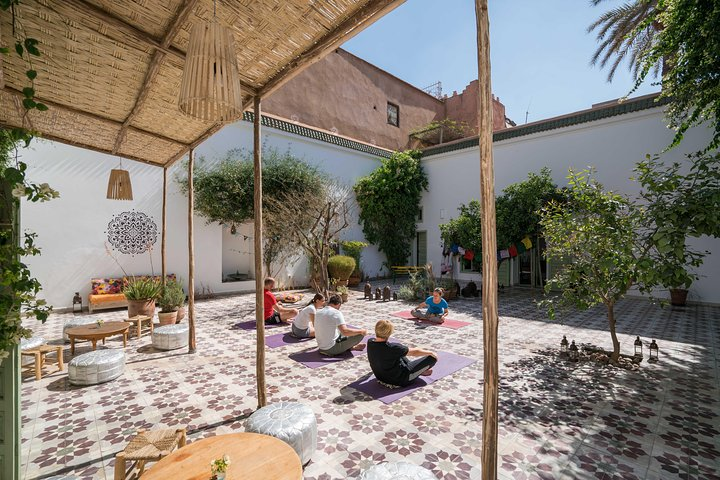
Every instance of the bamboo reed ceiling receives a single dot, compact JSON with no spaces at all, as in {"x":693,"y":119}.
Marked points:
{"x":110,"y":70}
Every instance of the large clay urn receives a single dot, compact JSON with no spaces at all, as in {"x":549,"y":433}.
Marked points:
{"x":141,"y":307}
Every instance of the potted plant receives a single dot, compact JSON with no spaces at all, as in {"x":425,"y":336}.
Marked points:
{"x":340,"y":267}
{"x":343,"y":291}
{"x":172,"y":298}
{"x":141,"y":293}
{"x":353,"y":248}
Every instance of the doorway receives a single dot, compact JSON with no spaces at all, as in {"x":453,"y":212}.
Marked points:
{"x":421,"y":249}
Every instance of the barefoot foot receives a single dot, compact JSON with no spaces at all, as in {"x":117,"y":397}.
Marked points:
{"x":359,"y":347}
{"x":426,"y":372}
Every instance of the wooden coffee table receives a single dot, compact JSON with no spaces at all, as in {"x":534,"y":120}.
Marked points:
{"x":95,"y":333}
{"x":252,"y":457}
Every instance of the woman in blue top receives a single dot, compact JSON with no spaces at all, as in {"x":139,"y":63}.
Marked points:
{"x":436,"y":308}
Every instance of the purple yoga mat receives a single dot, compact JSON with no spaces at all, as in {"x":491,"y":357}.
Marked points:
{"x":282,"y":339}
{"x":447,"y":363}
{"x":250,"y":325}
{"x":314,"y":359}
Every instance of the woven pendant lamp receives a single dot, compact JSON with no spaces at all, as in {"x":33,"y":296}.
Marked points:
{"x":119,"y":186}
{"x":210,"y":87}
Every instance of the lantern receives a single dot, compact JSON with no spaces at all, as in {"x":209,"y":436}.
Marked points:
{"x":564,"y":346}
{"x":638,"y":347}
{"x":574,"y":352}
{"x":77,"y":300}
{"x":654,"y":351}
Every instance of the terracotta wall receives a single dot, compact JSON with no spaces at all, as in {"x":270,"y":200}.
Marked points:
{"x":463,"y":108}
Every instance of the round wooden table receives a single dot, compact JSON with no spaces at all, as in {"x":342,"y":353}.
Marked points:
{"x":252,"y":456}
{"x":97,"y":332}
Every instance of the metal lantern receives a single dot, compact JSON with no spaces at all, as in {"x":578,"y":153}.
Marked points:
{"x":77,"y":300}
{"x":574,"y":352}
{"x":638,"y":346}
{"x":654,"y":351}
{"x":564,"y":346}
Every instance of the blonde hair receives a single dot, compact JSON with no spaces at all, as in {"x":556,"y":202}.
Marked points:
{"x":384,"y":328}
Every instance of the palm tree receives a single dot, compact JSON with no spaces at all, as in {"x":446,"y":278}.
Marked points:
{"x":628,"y":31}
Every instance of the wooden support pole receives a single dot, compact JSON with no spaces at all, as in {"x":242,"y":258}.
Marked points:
{"x":259,"y":279}
{"x":489,"y":247}
{"x":163,"y":248}
{"x":191,"y":254}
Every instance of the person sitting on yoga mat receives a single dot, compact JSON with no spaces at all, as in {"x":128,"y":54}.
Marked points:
{"x":437,"y":308}
{"x":389,"y":361}
{"x":274,"y":312}
{"x":304,"y":324}
{"x":332,"y":333}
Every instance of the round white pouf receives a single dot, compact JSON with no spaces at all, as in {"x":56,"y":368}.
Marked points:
{"x":30,"y":343}
{"x":96,"y":367}
{"x":170,"y":337}
{"x":397,"y":471}
{"x":76,"y":322}
{"x":293,"y":423}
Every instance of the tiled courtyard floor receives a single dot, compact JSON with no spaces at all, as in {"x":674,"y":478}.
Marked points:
{"x":557,"y":420}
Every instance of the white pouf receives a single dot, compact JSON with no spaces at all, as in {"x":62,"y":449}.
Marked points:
{"x":293,"y":423}
{"x":29,"y":344}
{"x":170,"y":337}
{"x":96,"y":367}
{"x":397,"y":471}
{"x":76,"y":322}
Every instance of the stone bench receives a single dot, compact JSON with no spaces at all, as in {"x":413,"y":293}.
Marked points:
{"x":95,"y":367}
{"x":170,"y":337}
{"x":293,"y":423}
{"x":398,"y":470}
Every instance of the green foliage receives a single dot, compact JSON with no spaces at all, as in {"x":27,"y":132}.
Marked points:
{"x":353,"y":248}
{"x":224,"y":193}
{"x":407,"y":292}
{"x":595,"y":234}
{"x":340,"y":267}
{"x":389,"y":200}
{"x":689,"y":42}
{"x":172,"y":296}
{"x":143,"y":288}
{"x":677,"y":205}
{"x":465,"y":230}
{"x":439,"y":131}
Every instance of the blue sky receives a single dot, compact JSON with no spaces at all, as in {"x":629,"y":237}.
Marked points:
{"x":540,"y":52}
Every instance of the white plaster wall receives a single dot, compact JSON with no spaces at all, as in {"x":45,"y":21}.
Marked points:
{"x":71,"y":229}
{"x":613,"y":146}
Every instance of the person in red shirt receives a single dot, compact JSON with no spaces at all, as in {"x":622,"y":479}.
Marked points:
{"x":274,"y":312}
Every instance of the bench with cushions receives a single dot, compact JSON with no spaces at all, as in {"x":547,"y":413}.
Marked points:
{"x":107,"y":292}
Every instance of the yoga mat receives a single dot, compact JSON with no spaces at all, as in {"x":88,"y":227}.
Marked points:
{"x":314,"y":359}
{"x":449,"y":322}
{"x":282,"y":339}
{"x":447,"y":364}
{"x":250,"y":325}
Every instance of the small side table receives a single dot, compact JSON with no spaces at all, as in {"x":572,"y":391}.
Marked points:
{"x":138,"y":321}
{"x":39,"y":354}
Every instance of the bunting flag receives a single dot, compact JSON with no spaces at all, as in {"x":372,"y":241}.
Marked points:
{"x":499,"y":258}
{"x":504,"y":253}
{"x":461,"y":250}
{"x":454,"y":248}
{"x":513,"y":251}
{"x":520,"y":247}
{"x":469,"y":255}
{"x":527,"y":242}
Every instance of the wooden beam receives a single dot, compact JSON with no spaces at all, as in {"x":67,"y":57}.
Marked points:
{"x":360,"y":20}
{"x":191,"y":255}
{"x":154,"y":68}
{"x":489,"y":247}
{"x":259,"y":278}
{"x":163,"y":249}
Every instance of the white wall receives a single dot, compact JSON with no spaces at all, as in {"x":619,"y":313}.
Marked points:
{"x":613,"y":146}
{"x":71,"y":229}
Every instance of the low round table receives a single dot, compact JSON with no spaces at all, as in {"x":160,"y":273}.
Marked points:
{"x":95,"y":333}
{"x":252,"y":457}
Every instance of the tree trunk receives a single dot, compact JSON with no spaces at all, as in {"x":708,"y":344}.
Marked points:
{"x":611,"y":321}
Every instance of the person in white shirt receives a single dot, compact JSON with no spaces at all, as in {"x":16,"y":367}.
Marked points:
{"x":332,"y":333}
{"x":304,"y":323}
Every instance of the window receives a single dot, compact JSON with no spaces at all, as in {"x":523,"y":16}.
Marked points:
{"x":393,"y":114}
{"x":420,"y":215}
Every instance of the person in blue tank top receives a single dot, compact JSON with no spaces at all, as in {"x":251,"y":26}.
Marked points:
{"x":436,"y":308}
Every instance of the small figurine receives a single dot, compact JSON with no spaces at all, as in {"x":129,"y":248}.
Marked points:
{"x":394,"y":295}
{"x":386,"y":293}
{"x":378,"y":294}
{"x":368,"y":291}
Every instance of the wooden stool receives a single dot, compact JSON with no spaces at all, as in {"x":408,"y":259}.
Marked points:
{"x":138,"y":321}
{"x":39,"y":354}
{"x":147,"y":446}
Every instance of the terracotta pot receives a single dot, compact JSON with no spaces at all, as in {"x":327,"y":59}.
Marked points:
{"x":354,"y":280}
{"x":168,"y":318}
{"x":141,"y":307}
{"x":344,"y":297}
{"x":678,"y":297}
{"x":180,"y":313}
